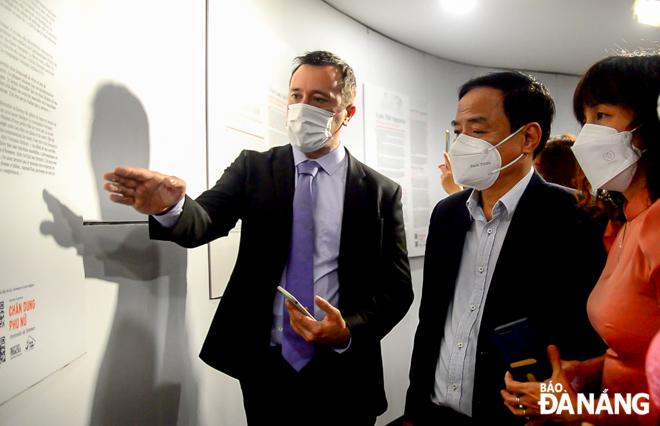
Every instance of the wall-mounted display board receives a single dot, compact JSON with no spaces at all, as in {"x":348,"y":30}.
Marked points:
{"x":42,"y":315}
{"x":396,"y":144}
{"x":246,"y":104}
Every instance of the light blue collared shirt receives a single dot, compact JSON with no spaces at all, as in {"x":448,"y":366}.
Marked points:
{"x":454,"y":375}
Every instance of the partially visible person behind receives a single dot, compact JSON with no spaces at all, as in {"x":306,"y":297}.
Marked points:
{"x":619,"y":151}
{"x":653,"y":370}
{"x":653,"y":355}
{"x":556,"y":163}
{"x":447,"y":177}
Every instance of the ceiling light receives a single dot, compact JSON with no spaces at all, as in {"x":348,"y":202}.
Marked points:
{"x":458,"y":6}
{"x":647,"y":12}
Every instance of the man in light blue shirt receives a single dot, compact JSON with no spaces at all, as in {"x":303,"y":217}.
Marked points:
{"x":496,"y":254}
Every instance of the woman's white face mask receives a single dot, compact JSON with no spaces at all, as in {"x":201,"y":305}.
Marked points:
{"x":309,"y":128}
{"x":476,"y":163}
{"x":607,"y":157}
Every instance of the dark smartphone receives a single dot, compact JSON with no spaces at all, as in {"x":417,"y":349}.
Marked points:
{"x":522,"y":351}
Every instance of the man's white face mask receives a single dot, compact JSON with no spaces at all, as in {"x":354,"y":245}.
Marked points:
{"x":476,"y":163}
{"x":607,"y":157}
{"x":309,"y":128}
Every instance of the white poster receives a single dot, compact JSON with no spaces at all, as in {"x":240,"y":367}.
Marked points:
{"x":42,"y":317}
{"x":420,"y":175}
{"x":246,"y":102}
{"x":396,"y":144}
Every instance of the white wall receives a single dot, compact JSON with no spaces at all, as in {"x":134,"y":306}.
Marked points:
{"x":147,"y":303}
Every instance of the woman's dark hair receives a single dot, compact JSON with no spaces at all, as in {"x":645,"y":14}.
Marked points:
{"x":631,"y":81}
{"x":557,"y":163}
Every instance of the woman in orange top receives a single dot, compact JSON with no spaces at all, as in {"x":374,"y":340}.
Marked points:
{"x":619,"y":151}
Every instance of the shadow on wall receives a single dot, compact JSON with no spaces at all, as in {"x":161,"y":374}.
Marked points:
{"x":146,"y":376}
{"x":119,"y":137}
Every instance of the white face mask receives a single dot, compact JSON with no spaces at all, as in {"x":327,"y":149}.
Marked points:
{"x":606,"y":156}
{"x":476,"y":163}
{"x":308,"y":127}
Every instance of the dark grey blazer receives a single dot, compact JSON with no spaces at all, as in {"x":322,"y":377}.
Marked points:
{"x":375,"y":289}
{"x":551,"y":258}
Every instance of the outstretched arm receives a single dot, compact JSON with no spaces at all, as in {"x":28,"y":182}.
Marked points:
{"x":148,"y":192}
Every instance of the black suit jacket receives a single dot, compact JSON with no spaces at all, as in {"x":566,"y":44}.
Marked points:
{"x":375,"y":289}
{"x":550,"y":260}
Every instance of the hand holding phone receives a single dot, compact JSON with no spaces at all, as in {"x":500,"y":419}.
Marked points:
{"x":520,"y":348}
{"x":290,"y":297}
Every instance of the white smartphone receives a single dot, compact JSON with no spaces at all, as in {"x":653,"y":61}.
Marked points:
{"x":290,"y":297}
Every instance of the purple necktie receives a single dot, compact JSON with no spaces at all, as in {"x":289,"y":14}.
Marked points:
{"x":300,"y":270}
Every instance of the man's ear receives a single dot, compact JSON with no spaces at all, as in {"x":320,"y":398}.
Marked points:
{"x":532,"y":134}
{"x":350,"y":112}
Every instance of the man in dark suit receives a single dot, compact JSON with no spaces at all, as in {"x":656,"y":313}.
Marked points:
{"x":357,"y":249}
{"x":516,"y":247}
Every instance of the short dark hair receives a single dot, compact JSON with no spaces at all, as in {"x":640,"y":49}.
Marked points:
{"x":323,"y":58}
{"x":631,"y":81}
{"x":524,"y":99}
